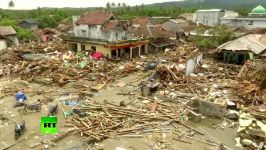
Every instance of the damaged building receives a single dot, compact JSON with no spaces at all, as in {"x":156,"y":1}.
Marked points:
{"x":159,"y":37}
{"x":101,"y":31}
{"x":8,"y":37}
{"x":244,"y":48}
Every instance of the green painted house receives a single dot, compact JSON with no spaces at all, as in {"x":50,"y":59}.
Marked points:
{"x":244,"y":48}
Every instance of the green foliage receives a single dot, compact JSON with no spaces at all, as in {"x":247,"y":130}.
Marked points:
{"x":47,"y":21}
{"x":242,"y":11}
{"x":22,"y":34}
{"x":58,"y":18}
{"x":8,"y":22}
{"x":221,"y":35}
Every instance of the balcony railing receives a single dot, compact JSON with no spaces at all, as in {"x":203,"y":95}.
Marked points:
{"x":84,"y":39}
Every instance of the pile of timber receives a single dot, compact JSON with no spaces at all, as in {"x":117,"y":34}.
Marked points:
{"x":106,"y":121}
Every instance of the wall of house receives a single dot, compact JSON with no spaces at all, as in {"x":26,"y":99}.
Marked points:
{"x":238,"y":57}
{"x":14,"y":39}
{"x":76,"y":46}
{"x":257,"y":24}
{"x":95,"y":32}
{"x":81,"y":31}
{"x":250,"y":24}
{"x":209,"y":18}
{"x":3,"y":44}
{"x":230,"y":14}
{"x":27,"y":25}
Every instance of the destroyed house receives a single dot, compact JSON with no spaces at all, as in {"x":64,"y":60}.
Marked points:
{"x":159,"y":38}
{"x":143,"y":21}
{"x":46,"y":35}
{"x":175,"y":24}
{"x":8,"y":37}
{"x":29,"y":24}
{"x":101,"y":31}
{"x":244,"y":48}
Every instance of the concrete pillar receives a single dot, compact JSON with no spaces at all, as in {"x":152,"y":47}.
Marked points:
{"x":130,"y":53}
{"x":78,"y":47}
{"x":116,"y":52}
{"x":139,"y":50}
{"x":146,"y":48}
{"x":68,"y":46}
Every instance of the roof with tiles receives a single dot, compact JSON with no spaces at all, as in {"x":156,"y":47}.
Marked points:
{"x":112,"y":24}
{"x":95,"y":18}
{"x":141,"y":21}
{"x":153,"y":32}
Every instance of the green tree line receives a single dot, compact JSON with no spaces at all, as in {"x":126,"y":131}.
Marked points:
{"x":51,"y":17}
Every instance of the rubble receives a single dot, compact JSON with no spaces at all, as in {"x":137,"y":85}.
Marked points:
{"x":251,"y":132}
{"x":169,"y":96}
{"x":105,"y":121}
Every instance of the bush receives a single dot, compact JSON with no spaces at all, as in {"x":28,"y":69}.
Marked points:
{"x":47,"y":21}
{"x":221,"y":35}
{"x":23,"y":34}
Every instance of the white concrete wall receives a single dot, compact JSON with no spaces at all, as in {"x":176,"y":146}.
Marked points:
{"x":3,"y":44}
{"x":230,"y":14}
{"x":257,"y":24}
{"x":209,"y":18}
{"x":81,"y":31}
{"x":194,"y":17}
{"x":95,"y":32}
{"x":14,"y":39}
{"x":244,"y":23}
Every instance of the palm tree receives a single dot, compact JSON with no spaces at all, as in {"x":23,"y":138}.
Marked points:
{"x":113,"y":4}
{"x":11,"y":4}
{"x":108,"y":5}
{"x":124,"y":4}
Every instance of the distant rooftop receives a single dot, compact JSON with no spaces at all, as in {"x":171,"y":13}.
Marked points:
{"x":209,"y":10}
{"x":7,"y":30}
{"x":30,"y":20}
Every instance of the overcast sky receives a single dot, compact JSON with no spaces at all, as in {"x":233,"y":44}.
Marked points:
{"x":32,"y":4}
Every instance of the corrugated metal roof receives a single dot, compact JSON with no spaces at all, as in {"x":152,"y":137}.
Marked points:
{"x":251,"y":42}
{"x":7,"y":30}
{"x":30,"y":20}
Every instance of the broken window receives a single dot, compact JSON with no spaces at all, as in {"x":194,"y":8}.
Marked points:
{"x":112,"y":18}
{"x":82,"y":47}
{"x":250,"y":22}
{"x":93,"y":48}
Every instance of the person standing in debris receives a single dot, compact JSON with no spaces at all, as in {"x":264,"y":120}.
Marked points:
{"x":20,"y":96}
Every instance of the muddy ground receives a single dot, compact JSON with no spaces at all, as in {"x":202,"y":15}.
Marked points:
{"x":32,"y":136}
